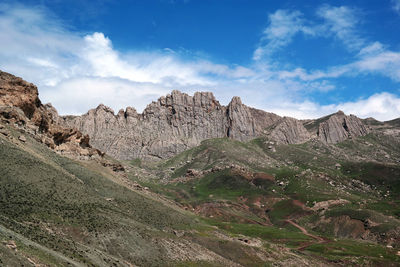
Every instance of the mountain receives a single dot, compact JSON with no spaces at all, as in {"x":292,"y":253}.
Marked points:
{"x":269,"y":191}
{"x":178,"y":121}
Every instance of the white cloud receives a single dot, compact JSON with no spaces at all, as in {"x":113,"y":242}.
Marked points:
{"x":385,"y":62}
{"x":283,"y":26}
{"x":74,"y":70}
{"x":342,"y":22}
{"x":383,"y":106}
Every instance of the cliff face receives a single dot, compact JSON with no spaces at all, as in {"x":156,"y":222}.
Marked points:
{"x":20,"y":105}
{"x":289,"y":131}
{"x":339,"y":127}
{"x":168,"y":126}
{"x":178,"y":121}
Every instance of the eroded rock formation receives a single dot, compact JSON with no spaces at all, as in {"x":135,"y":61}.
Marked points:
{"x":168,"y":126}
{"x":20,"y":105}
{"x":289,"y":131}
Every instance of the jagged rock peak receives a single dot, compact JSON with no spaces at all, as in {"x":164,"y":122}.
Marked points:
{"x":236,"y":101}
{"x":105,"y":108}
{"x":176,"y":98}
{"x":339,"y":127}
{"x":170,"y":125}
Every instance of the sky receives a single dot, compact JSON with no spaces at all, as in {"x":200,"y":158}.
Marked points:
{"x":303,"y":59}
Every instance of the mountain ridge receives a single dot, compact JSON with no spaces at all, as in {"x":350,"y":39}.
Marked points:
{"x":172,"y":124}
{"x":179,"y":121}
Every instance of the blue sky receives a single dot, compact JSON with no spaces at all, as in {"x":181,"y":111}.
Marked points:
{"x":302,"y":59}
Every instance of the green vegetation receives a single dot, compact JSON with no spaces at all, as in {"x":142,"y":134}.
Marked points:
{"x":238,"y":193}
{"x":365,"y":253}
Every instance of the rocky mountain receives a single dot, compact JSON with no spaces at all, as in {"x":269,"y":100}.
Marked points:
{"x":178,"y":121}
{"x":339,"y":127}
{"x":170,"y":125}
{"x":166,"y":127}
{"x":246,"y":199}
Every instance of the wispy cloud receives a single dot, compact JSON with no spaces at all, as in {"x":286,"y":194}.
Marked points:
{"x":283,"y":26}
{"x":342,"y":22}
{"x":372,"y":59}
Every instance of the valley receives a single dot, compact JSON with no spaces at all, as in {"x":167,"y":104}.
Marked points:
{"x":213,"y":186}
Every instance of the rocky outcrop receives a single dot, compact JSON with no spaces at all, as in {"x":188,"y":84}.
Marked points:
{"x":289,"y":131}
{"x":20,"y":105}
{"x":339,"y":127}
{"x":170,"y":125}
{"x":178,"y":121}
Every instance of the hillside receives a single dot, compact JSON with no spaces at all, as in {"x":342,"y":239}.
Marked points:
{"x":287,"y":196}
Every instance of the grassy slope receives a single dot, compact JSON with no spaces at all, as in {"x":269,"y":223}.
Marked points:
{"x":60,"y":212}
{"x":57,"y":202}
{"x":308,"y":175}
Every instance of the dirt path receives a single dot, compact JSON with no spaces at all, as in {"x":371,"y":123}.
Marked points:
{"x":318,"y":239}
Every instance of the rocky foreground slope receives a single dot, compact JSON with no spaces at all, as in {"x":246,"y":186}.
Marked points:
{"x":20,"y":105}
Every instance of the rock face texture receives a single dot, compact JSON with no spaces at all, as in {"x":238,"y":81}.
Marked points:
{"x":289,"y":131}
{"x":20,"y":105}
{"x":168,"y":126}
{"x":178,"y":121}
{"x":15,"y":92}
{"x":339,"y":127}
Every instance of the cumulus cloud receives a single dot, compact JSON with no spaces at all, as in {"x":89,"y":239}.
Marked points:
{"x":73,"y":70}
{"x":383,"y":106}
